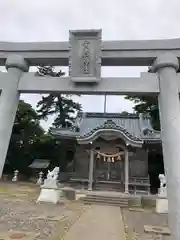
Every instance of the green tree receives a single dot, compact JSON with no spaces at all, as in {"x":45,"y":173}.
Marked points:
{"x":25,"y":133}
{"x":47,"y":147}
{"x":147,"y":105}
{"x":60,"y":105}
{"x":29,"y":141}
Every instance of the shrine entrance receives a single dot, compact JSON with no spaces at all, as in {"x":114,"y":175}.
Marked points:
{"x":109,"y":166}
{"x":110,"y":170}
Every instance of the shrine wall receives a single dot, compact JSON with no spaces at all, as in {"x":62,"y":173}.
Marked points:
{"x":81,"y":160}
{"x":138,"y":163}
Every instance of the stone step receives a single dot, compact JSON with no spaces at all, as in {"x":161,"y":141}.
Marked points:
{"x":106,"y":199}
{"x":114,"y":201}
{"x":104,"y":202}
{"x":120,"y":198}
{"x":109,"y":187}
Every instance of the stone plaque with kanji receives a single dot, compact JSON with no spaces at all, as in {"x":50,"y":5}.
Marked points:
{"x":85,"y":55}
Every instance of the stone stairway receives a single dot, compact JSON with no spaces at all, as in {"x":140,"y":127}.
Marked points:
{"x":120,"y":201}
{"x":110,"y":187}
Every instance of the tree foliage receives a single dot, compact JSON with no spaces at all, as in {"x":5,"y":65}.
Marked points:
{"x":147,"y":105}
{"x":25,"y":133}
{"x":60,"y":105}
{"x":29,"y":142}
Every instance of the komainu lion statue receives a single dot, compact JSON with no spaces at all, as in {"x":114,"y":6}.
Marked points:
{"x":53,"y":174}
{"x":162,"y":179}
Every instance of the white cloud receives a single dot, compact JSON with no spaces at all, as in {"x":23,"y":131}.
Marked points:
{"x":51,"y":20}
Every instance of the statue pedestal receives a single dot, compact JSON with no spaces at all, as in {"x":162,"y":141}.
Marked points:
{"x":50,"y":192}
{"x":162,"y":201}
{"x":162,"y":205}
{"x":162,"y":192}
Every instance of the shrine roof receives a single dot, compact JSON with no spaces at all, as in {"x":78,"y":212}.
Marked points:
{"x":40,"y":164}
{"x":133,"y":127}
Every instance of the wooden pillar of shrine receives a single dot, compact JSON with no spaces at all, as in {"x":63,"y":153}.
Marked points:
{"x":91,"y":168}
{"x":126,"y":171}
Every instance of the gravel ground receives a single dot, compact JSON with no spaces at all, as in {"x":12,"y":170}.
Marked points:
{"x":134,"y":224}
{"x":19,"y":212}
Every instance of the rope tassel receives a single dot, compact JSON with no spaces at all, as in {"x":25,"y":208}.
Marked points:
{"x":109,"y":157}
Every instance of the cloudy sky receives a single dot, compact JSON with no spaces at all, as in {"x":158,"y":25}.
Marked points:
{"x":51,"y":20}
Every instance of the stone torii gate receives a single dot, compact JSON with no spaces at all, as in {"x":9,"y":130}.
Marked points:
{"x":85,"y":53}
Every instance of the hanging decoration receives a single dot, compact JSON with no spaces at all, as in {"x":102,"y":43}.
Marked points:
{"x":109,"y":157}
{"x":119,"y":157}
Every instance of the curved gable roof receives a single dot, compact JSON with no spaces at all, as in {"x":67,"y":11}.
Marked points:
{"x":110,"y":126}
{"x":129,"y":126}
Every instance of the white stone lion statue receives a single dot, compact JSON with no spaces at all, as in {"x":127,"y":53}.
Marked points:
{"x":53,"y":174}
{"x":162,"y":179}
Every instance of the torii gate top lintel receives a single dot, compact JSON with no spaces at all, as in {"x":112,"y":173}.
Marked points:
{"x":113,"y":53}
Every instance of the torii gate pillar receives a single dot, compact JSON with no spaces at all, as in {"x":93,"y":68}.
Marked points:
{"x":9,"y":100}
{"x":166,"y":65}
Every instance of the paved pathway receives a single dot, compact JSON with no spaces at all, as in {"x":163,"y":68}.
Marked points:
{"x":98,"y":222}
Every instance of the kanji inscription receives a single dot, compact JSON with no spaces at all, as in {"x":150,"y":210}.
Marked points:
{"x":85,"y":55}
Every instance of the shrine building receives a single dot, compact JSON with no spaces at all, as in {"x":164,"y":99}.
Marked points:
{"x":113,"y":151}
